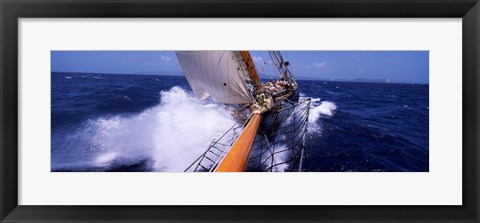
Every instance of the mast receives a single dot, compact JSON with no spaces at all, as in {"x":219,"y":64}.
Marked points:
{"x":281,"y":64}
{"x":247,"y":58}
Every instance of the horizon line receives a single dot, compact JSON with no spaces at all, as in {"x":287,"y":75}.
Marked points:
{"x":298,"y":78}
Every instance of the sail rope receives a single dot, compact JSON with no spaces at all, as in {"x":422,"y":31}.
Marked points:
{"x":275,"y":69}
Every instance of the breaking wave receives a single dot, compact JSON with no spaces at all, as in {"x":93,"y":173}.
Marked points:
{"x":319,"y":109}
{"x":170,"y":135}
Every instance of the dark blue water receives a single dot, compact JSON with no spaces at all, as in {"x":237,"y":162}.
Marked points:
{"x":360,"y":126}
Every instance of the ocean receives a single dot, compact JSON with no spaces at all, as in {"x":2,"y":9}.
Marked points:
{"x":138,"y":123}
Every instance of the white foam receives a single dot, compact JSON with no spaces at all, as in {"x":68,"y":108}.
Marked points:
{"x":105,"y":158}
{"x":172,"y":134}
{"x":185,"y":128}
{"x":317,"y":110}
{"x":325,"y":108}
{"x":281,"y":158}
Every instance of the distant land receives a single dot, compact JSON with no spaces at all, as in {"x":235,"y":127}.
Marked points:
{"x":358,"y":80}
{"x":299,"y":77}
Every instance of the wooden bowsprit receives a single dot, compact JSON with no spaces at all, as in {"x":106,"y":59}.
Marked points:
{"x":237,"y":158}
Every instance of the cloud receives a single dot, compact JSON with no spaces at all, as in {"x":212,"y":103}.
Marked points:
{"x":166,"y":58}
{"x":319,"y":65}
{"x":258,"y":59}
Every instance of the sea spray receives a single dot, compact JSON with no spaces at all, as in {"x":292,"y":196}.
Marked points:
{"x":171,"y":135}
{"x":185,"y":129}
{"x":318,"y":109}
{"x":325,"y":108}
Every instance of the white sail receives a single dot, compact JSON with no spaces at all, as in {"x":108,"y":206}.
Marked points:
{"x":217,"y":74}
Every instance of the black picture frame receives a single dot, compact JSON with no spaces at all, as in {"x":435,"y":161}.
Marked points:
{"x":12,"y":10}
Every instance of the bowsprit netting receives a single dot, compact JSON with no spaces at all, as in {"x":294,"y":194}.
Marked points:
{"x":279,"y":146}
{"x":281,"y":149}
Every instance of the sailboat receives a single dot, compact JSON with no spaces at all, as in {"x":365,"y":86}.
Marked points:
{"x":271,"y":117}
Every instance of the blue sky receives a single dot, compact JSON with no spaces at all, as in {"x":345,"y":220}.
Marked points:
{"x":397,"y":66}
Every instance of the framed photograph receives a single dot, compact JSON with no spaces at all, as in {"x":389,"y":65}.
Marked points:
{"x":225,"y":111}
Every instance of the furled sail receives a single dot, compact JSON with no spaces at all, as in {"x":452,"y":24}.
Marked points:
{"x":219,"y":74}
